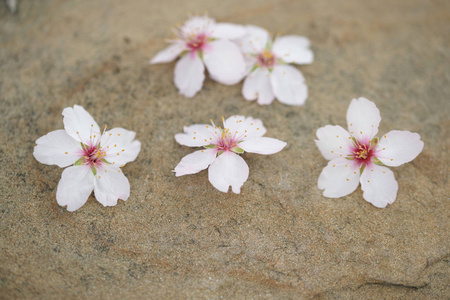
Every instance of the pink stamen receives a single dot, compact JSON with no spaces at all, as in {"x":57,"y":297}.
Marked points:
{"x":266,"y":59}
{"x":363,"y":152}
{"x":196,"y":43}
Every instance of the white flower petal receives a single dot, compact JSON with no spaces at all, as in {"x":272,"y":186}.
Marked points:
{"x":57,"y":148}
{"x":228,"y":169}
{"x":257,"y":85}
{"x":244,"y":128}
{"x":255,"y":40}
{"x":363,"y":118}
{"x":189,"y":75}
{"x":75,"y":186}
{"x":111,"y":185}
{"x":333,"y":142}
{"x":224,"y":62}
{"x":228,"y":31}
{"x":79,"y":124}
{"x":120,"y":147}
{"x":119,"y":136}
{"x":379,"y":185}
{"x":197,"y":135}
{"x":288,"y":85}
{"x":262,"y":145}
{"x":168,"y":54}
{"x":119,"y":156}
{"x":293,"y":49}
{"x":398,"y":147}
{"x":198,"y":24}
{"x":339,"y":178}
{"x":195,"y":162}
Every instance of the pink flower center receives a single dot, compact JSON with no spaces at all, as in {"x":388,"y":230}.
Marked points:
{"x":197,"y":42}
{"x":266,"y":59}
{"x":227,"y":141}
{"x":93,"y":156}
{"x":363,"y":152}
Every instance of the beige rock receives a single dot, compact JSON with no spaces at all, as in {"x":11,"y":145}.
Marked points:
{"x":181,"y":238}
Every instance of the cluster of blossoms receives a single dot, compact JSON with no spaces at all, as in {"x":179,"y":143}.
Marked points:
{"x":231,"y":52}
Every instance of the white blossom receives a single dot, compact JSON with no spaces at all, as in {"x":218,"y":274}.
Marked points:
{"x":199,"y":42}
{"x":222,"y":147}
{"x":269,"y":74}
{"x":94,"y":157}
{"x":358,"y":156}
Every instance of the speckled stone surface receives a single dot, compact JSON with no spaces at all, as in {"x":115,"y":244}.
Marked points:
{"x":181,"y":238}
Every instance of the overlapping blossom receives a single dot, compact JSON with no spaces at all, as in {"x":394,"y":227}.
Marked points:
{"x":358,"y":156}
{"x":94,"y":157}
{"x":269,"y":74}
{"x":199,"y":42}
{"x":222,"y":147}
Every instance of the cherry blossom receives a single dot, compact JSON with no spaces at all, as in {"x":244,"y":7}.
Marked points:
{"x":94,"y":157}
{"x":269,"y":74}
{"x":199,"y":42}
{"x":222,"y":147}
{"x":358,"y":156}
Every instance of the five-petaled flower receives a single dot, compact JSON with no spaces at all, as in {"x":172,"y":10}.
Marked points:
{"x":221,"y":148}
{"x":96,"y":158}
{"x":203,"y":41}
{"x":269,"y":74}
{"x":358,"y":156}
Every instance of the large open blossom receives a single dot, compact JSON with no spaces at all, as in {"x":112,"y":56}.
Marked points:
{"x":269,"y":74}
{"x":222,"y":147}
{"x":201,"y":41}
{"x":94,"y":157}
{"x":358,"y":156}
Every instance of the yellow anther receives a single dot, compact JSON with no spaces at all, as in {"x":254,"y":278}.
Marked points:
{"x":67,"y":152}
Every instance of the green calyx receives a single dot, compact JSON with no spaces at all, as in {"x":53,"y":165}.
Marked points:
{"x":237,"y":150}
{"x":79,"y":162}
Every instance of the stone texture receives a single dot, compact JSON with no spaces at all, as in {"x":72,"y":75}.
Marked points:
{"x":181,"y":238}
